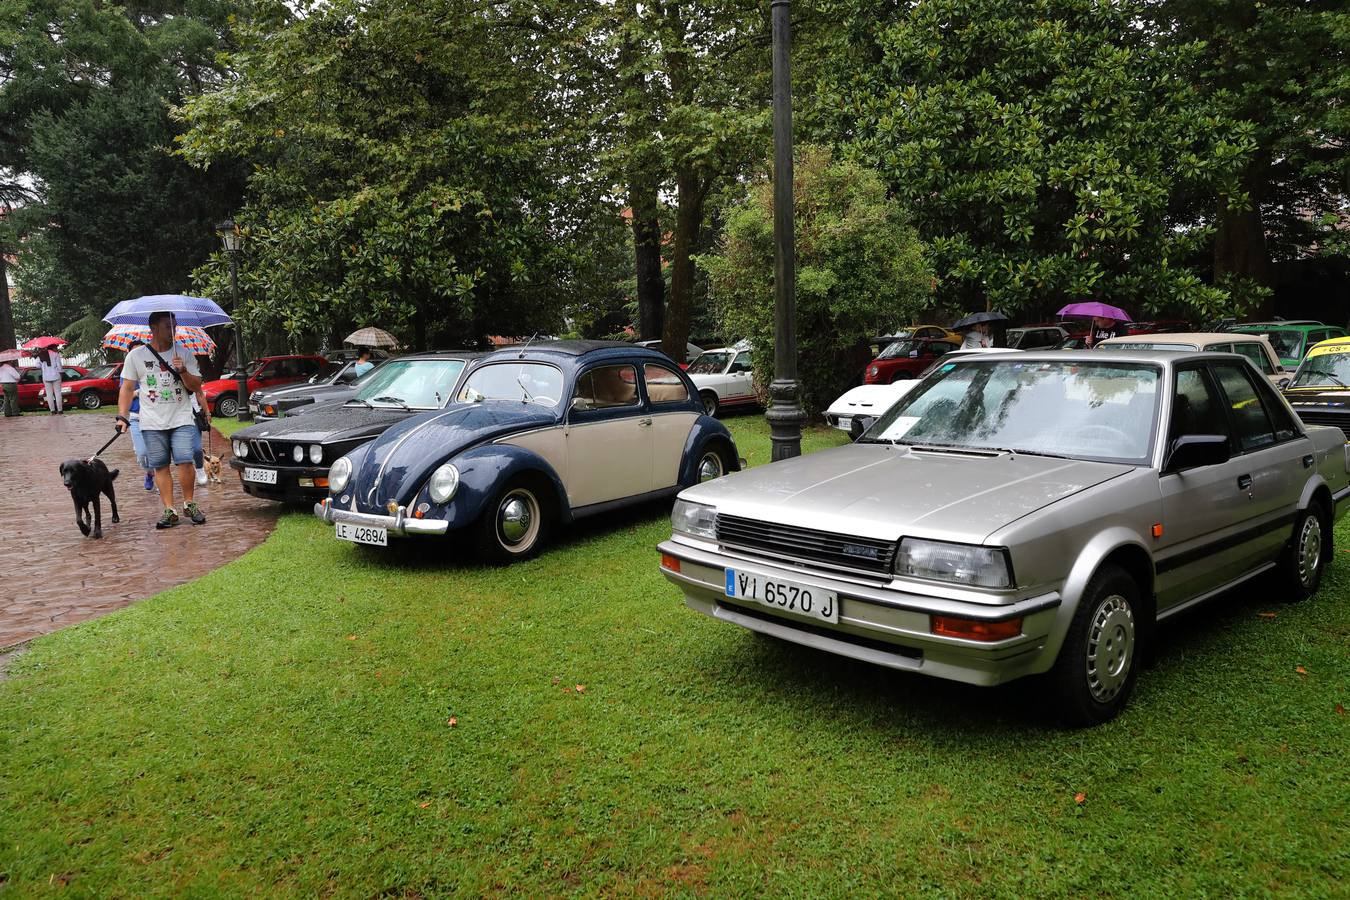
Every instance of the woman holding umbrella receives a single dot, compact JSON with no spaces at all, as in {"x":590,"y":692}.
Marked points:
{"x":49,"y":359}
{"x":979,"y":329}
{"x":1105,"y":319}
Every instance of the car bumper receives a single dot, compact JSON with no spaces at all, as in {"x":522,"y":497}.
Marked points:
{"x":400,"y":524}
{"x":877,"y":624}
{"x":291,"y":486}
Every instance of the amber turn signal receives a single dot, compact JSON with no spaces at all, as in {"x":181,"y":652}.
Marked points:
{"x":972,"y":630}
{"x":670,"y":562}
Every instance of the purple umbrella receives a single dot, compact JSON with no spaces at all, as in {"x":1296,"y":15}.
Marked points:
{"x":1095,"y":309}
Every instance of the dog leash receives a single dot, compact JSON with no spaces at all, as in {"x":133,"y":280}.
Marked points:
{"x":105,"y":446}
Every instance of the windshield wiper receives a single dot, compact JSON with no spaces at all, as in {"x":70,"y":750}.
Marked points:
{"x":394,"y":400}
{"x":528,"y":395}
{"x":367,"y":403}
{"x":1333,"y":378}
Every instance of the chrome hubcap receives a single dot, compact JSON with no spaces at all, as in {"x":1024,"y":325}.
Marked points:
{"x":228,"y":408}
{"x":517,"y":518}
{"x":710,"y":467}
{"x":1110,"y":647}
{"x":1309,"y":551}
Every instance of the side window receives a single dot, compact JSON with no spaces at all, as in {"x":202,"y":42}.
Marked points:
{"x":70,"y":375}
{"x":1249,"y":414}
{"x":32,"y":376}
{"x":308,"y":367}
{"x":741,"y":363}
{"x":267,"y":371}
{"x":1196,"y":408}
{"x":663,"y":385}
{"x":1253,"y":351}
{"x":1220,"y":348}
{"x":607,"y":387}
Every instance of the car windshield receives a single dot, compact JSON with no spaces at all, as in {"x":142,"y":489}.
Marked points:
{"x":1146,"y":345}
{"x":1083,"y":410}
{"x":898,"y":349}
{"x":1287,"y":344}
{"x":326,"y":373}
{"x":411,"y":383}
{"x":710,"y":363}
{"x":524,"y":382}
{"x":1330,"y":367}
{"x":102,"y":371}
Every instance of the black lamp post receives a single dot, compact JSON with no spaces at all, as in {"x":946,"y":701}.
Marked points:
{"x":785,"y":414}
{"x":233,"y":242}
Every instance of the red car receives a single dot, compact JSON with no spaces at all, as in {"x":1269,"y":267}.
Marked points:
{"x":268,"y":372}
{"x":31,"y":394}
{"x":905,"y":359}
{"x":97,"y":387}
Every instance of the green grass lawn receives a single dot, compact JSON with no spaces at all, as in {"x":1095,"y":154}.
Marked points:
{"x":284,"y":726}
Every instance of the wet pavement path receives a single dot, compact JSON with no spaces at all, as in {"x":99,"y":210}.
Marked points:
{"x":52,"y":576}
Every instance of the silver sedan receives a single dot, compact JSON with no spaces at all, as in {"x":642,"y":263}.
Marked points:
{"x":1021,"y":514}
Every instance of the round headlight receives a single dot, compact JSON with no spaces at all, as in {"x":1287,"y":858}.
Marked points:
{"x":443,"y":484}
{"x":316,"y":453}
{"x":241,"y":449}
{"x":339,"y":475}
{"x":298,"y":453}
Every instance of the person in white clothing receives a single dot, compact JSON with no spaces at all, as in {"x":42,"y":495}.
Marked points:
{"x":50,"y":362}
{"x":9,"y":382}
{"x":977,"y":337}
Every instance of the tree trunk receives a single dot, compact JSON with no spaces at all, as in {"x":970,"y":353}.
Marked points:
{"x":651,"y":287}
{"x":7,"y":341}
{"x":1240,"y":242}
{"x":690,"y":192}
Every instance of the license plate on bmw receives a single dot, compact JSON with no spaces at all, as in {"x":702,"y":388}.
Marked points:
{"x":260,"y":476}
{"x":362,"y":534}
{"x":784,"y":596}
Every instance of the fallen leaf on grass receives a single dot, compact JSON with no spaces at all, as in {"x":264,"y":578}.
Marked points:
{"x":1080,"y":798}
{"x":556,"y":679}
{"x":1340,"y":710}
{"x":1266,"y":615}
{"x":351,"y":637}
{"x":1300,"y":670}
{"x":424,"y":805}
{"x":452,"y":721}
{"x":581,"y":689}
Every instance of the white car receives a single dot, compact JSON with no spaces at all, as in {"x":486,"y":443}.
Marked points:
{"x":724,"y":377}
{"x":856,"y":408}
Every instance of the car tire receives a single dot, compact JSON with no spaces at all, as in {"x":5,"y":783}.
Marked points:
{"x":710,"y":403}
{"x":1099,"y":660}
{"x":1306,"y":556}
{"x":227,"y":406}
{"x":513,"y":525}
{"x":90,"y":400}
{"x":718,"y":461}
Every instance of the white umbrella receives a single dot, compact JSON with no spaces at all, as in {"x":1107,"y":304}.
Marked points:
{"x":371,"y":336}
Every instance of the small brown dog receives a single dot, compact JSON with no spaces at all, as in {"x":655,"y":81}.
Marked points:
{"x":212,"y":466}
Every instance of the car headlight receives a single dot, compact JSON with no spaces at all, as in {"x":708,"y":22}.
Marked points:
{"x":443,"y":483}
{"x":339,"y":474}
{"x":316,"y":453}
{"x":696,"y":519}
{"x":270,"y":410}
{"x":298,"y":453}
{"x":241,"y":449}
{"x":955,"y":563}
{"x":873,"y":371}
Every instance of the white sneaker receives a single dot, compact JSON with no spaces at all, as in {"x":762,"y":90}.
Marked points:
{"x":201,"y":476}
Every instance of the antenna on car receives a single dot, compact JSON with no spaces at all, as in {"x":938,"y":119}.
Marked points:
{"x":527,"y":345}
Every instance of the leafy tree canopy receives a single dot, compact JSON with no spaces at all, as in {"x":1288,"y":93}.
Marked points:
{"x":860,"y":269}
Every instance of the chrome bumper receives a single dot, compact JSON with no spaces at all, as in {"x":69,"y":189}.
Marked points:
{"x":398,"y":524}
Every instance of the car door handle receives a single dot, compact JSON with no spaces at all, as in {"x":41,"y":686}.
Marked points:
{"x":645,"y":423}
{"x":1244,"y":482}
{"x":1308,"y":461}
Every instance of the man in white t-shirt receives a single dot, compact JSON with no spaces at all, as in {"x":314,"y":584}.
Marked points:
{"x":163,"y":376}
{"x":50,"y":362}
{"x":9,"y":383}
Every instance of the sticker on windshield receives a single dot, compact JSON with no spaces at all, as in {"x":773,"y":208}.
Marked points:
{"x":1324,"y":349}
{"x":898,"y":428}
{"x":948,"y":367}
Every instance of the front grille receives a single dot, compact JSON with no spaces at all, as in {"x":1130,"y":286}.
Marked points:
{"x":275,"y":453}
{"x":807,"y":545}
{"x":1335,"y":420}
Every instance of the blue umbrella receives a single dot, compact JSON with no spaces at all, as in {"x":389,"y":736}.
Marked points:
{"x":197,"y":311}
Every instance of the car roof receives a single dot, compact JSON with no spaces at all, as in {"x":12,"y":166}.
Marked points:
{"x":575,"y":350}
{"x":438,"y":354}
{"x":1159,"y":357}
{"x":1185,"y":337}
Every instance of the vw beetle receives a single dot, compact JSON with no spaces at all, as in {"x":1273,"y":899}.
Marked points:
{"x":537,"y":437}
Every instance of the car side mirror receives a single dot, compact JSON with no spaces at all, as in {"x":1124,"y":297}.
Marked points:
{"x":859,"y":426}
{"x":579,"y":404}
{"x":348,"y":377}
{"x":914,"y":354}
{"x":1283,"y":383}
{"x":1193,"y":451}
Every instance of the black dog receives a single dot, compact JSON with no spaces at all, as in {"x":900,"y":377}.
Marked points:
{"x":86,"y":479}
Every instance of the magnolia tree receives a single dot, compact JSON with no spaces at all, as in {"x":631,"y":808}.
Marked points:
{"x":860,"y":269}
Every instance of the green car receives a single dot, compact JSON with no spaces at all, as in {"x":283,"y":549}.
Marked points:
{"x":1292,"y":340}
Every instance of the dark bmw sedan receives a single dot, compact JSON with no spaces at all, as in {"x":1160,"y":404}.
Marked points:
{"x":337,"y":380}
{"x":287,"y":459}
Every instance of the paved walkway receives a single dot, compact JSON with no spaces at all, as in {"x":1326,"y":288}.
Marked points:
{"x":52,"y":576}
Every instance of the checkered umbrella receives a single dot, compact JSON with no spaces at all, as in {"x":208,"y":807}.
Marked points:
{"x":372,"y":337}
{"x":190,"y":337}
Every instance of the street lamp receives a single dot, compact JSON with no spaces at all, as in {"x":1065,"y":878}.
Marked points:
{"x":785,"y":414}
{"x":233,"y":242}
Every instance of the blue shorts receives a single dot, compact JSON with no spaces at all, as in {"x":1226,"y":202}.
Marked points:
{"x":175,"y":442}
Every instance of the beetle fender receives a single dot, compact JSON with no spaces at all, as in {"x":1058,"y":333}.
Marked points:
{"x":482,"y":472}
{"x":1094,"y":554}
{"x":706,"y":430}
